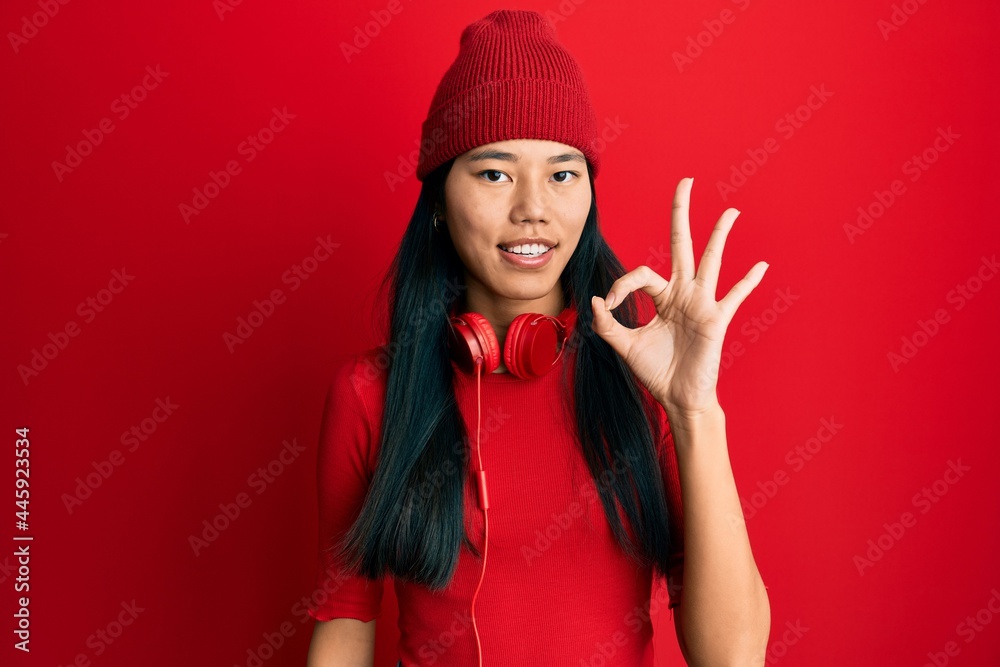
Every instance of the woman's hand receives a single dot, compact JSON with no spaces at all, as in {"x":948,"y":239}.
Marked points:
{"x":676,"y":355}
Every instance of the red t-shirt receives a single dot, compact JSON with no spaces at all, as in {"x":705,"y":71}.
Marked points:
{"x":557,"y":589}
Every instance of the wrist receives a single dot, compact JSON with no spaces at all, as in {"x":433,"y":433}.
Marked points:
{"x":685,"y":419}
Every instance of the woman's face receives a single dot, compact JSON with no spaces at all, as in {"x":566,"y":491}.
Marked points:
{"x":521,"y":192}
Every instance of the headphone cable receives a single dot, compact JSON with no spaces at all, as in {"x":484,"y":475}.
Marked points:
{"x":484,"y":502}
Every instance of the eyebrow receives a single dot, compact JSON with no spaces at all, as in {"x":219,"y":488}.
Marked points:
{"x":493,"y":154}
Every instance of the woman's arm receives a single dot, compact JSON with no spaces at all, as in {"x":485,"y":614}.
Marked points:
{"x":342,"y":642}
{"x":724,"y":616}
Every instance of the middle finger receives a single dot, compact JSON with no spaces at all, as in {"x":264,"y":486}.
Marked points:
{"x":681,"y":253}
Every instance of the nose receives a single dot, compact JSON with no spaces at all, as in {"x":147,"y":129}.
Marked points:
{"x":530,"y":202}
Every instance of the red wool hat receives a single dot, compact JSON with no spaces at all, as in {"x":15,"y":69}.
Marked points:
{"x":511,"y":80}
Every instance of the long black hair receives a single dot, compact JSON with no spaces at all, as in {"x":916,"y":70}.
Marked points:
{"x":411,"y":524}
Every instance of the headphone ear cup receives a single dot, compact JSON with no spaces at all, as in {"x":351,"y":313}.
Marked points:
{"x":472,"y":337}
{"x":533,"y":344}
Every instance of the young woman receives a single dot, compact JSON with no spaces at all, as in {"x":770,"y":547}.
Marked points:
{"x":521,"y":456}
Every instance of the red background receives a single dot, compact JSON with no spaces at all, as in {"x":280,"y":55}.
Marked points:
{"x":853,"y":300}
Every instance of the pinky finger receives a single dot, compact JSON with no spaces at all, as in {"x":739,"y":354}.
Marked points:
{"x":741,"y":290}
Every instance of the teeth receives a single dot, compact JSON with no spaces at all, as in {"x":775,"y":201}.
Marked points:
{"x":528,"y":249}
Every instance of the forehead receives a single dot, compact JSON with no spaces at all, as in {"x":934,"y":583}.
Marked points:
{"x":518,"y":149}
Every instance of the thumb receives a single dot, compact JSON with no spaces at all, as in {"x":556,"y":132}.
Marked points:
{"x":607,"y":327}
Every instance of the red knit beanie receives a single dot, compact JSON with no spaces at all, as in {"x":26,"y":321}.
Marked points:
{"x":511,"y":80}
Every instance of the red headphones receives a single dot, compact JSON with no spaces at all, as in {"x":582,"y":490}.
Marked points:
{"x":533,"y":345}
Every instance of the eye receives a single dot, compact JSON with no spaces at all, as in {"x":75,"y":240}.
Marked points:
{"x":491,"y":171}
{"x":567,"y":173}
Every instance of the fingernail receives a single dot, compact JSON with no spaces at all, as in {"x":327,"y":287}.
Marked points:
{"x":610,"y":301}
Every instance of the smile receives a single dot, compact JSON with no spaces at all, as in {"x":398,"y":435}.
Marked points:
{"x":527,"y":250}
{"x":533,"y":256}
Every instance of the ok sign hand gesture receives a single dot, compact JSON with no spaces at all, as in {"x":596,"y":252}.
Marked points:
{"x":677,"y":354}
